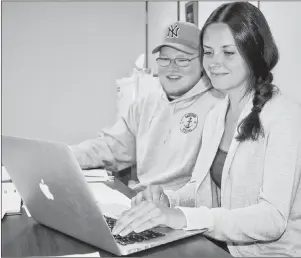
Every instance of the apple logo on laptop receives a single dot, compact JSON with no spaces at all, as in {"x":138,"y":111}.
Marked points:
{"x":45,"y":190}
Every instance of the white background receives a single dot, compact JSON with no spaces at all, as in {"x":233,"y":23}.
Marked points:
{"x":60,"y":60}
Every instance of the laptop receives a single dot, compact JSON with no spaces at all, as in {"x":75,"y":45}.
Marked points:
{"x":57,"y":195}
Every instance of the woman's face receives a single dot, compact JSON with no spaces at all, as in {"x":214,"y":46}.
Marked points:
{"x":222,"y":61}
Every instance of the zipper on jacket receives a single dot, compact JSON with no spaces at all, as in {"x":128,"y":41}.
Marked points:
{"x":170,"y":125}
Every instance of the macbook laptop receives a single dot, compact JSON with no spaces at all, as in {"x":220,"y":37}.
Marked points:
{"x":56,"y":193}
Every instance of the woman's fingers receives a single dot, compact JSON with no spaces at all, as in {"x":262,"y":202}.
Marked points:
{"x":154,"y":194}
{"x":150,"y":194}
{"x":137,"y":199}
{"x":146,"y":221}
{"x":148,"y":215}
{"x":129,"y":216}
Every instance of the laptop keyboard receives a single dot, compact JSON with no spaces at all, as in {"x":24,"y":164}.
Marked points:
{"x":132,"y":237}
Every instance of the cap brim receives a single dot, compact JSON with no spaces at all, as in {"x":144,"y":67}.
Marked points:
{"x":176,"y":46}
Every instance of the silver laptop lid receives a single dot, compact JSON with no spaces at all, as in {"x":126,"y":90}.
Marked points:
{"x":51,"y":183}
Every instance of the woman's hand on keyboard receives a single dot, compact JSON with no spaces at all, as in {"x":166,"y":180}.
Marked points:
{"x":153,"y":193}
{"x":147,"y":215}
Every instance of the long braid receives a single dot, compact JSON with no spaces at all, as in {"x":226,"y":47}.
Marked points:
{"x":251,"y":127}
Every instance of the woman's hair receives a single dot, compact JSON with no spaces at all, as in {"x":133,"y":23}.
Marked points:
{"x":256,"y":45}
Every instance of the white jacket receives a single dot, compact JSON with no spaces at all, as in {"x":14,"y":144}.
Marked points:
{"x":163,"y":138}
{"x":260,"y":213}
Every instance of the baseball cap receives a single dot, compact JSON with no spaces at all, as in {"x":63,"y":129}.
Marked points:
{"x":183,"y":36}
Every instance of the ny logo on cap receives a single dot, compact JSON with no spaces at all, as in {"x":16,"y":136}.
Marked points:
{"x":173,"y":31}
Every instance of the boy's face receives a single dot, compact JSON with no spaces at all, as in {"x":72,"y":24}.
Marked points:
{"x":177,"y":80}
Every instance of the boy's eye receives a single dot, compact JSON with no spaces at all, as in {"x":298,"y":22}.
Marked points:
{"x":182,"y":60}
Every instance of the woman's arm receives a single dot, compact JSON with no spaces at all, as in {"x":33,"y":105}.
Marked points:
{"x":266,"y":220}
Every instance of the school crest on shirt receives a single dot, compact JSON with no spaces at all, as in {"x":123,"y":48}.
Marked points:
{"x":188,"y":122}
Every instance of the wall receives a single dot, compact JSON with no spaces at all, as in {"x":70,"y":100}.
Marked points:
{"x":160,"y":15}
{"x":60,"y":61}
{"x":284,"y":19}
{"x":205,"y":9}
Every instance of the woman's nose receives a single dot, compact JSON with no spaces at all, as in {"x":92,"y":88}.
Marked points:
{"x":215,"y":65}
{"x":216,"y":61}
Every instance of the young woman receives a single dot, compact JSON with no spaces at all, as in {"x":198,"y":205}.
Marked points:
{"x":245,"y":189}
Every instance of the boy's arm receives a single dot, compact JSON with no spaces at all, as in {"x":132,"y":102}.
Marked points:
{"x":114,"y":148}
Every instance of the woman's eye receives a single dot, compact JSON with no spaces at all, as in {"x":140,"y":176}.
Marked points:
{"x":207,"y":53}
{"x":228,"y":53}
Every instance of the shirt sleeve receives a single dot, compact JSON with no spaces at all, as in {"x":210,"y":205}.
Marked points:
{"x":267,"y":219}
{"x":114,"y":148}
